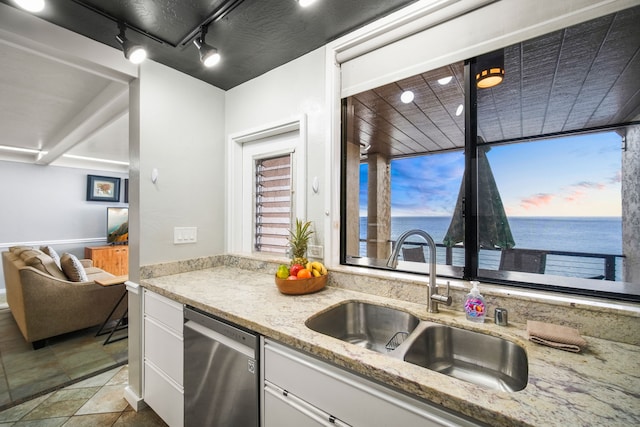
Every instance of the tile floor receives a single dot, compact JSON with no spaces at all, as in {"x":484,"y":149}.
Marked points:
{"x":25,"y":372}
{"x":97,"y":401}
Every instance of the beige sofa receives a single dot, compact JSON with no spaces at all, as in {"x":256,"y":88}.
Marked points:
{"x":45,"y":303}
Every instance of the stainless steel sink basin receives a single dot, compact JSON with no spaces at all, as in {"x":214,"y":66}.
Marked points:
{"x":367,"y":325}
{"x":470,"y":356}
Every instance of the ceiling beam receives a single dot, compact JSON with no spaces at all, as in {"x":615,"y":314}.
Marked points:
{"x":104,"y":109}
{"x":30,"y":33}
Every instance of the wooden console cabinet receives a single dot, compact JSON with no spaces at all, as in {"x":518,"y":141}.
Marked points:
{"x":113,"y":259}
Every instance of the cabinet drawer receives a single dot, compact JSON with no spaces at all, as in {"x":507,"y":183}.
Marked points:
{"x":164,"y":348}
{"x":164,"y":397}
{"x":164,"y":310}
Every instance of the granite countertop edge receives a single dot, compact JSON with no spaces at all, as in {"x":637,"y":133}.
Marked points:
{"x":595,"y":387}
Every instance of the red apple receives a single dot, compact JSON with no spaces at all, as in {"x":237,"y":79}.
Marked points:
{"x":292,"y":278}
{"x":293,"y":271}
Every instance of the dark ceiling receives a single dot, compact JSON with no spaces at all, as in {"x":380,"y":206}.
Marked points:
{"x":583,"y":77}
{"x":252,"y":36}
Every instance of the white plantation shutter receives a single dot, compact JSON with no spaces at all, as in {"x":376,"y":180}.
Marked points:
{"x":273,"y":204}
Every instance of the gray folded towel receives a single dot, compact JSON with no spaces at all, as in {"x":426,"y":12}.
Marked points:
{"x":557,"y":336}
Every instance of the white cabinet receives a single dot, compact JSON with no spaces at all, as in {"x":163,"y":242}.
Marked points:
{"x":163,"y":357}
{"x":301,"y":386}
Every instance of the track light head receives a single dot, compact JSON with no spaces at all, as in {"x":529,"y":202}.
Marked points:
{"x":133,"y":52}
{"x":305,"y":3}
{"x":31,"y":5}
{"x":209,"y":55}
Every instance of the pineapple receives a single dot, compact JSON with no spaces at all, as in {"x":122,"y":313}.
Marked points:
{"x":298,"y":241}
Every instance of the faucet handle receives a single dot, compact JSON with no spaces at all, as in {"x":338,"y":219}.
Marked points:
{"x":445,"y":299}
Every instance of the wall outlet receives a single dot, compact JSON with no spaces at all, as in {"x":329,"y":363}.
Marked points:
{"x":315,"y":251}
{"x":183,"y":235}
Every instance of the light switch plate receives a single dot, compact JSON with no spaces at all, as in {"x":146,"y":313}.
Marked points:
{"x":183,"y":235}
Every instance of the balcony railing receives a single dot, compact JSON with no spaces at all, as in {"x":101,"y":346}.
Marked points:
{"x":560,"y":263}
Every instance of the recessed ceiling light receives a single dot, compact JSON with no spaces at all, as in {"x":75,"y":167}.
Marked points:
{"x":459,"y":110}
{"x":31,"y":5}
{"x":406,"y":97}
{"x":445,"y":80}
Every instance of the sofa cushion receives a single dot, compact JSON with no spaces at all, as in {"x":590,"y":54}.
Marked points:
{"x":73,"y":268}
{"x":52,"y":253}
{"x":25,"y":255}
{"x":17,"y":250}
{"x":46,"y":264}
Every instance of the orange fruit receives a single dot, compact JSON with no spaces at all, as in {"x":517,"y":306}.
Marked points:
{"x":304,"y":274}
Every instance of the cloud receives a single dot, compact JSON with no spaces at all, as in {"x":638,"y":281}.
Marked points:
{"x":617,"y":178}
{"x":537,"y":200}
{"x":575,"y":196}
{"x":590,"y":185}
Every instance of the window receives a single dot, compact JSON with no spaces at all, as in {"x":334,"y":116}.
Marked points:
{"x":522,"y":183}
{"x":273,"y":204}
{"x":256,"y":160}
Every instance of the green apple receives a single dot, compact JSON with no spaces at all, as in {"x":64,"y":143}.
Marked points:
{"x":283,"y":271}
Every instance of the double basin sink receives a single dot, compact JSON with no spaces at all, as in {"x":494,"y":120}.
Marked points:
{"x":474,"y":357}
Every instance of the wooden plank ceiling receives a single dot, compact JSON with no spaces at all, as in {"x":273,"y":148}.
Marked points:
{"x":581,"y":77}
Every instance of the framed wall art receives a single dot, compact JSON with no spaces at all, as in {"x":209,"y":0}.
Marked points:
{"x":103,"y":189}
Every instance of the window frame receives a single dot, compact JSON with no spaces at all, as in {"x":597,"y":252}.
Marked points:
{"x":471,"y":271}
{"x":240,"y":210}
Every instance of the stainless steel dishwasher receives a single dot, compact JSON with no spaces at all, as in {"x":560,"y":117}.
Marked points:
{"x":220,"y":373}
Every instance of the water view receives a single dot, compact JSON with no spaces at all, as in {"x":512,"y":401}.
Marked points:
{"x":576,"y":234}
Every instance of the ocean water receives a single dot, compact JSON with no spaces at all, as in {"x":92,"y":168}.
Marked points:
{"x":601,"y":235}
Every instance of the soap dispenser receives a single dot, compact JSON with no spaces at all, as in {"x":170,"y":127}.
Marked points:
{"x":474,"y":305}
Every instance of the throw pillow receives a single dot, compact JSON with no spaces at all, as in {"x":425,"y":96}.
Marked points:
{"x":52,"y":253}
{"x":46,"y":264}
{"x":73,"y":268}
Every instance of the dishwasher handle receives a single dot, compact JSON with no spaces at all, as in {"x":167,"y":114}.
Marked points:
{"x":215,"y":336}
{"x":223,"y":328}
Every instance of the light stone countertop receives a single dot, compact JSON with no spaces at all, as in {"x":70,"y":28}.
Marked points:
{"x":599,"y":387}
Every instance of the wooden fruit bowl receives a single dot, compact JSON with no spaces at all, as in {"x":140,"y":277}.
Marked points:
{"x":301,"y":286}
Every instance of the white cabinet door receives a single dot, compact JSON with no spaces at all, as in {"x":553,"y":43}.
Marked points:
{"x":349,"y":397}
{"x":164,"y":348}
{"x":163,"y":396}
{"x":164,"y":357}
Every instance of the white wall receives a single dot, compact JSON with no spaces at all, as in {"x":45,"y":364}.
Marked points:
{"x":294,"y":89}
{"x":181,"y":134}
{"x":47,"y":204}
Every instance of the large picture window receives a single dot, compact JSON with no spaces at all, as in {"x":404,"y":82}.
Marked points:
{"x":522,"y":182}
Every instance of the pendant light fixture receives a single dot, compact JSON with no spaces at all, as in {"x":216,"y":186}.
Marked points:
{"x":133,"y":52}
{"x":490,"y":69}
{"x":209,"y":55}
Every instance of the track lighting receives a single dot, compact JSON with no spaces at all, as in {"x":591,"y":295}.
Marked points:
{"x":305,"y":3}
{"x":133,"y":52}
{"x":31,"y":5}
{"x":209,"y":55}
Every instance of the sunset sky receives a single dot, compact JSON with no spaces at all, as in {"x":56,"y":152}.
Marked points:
{"x":570,"y":176}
